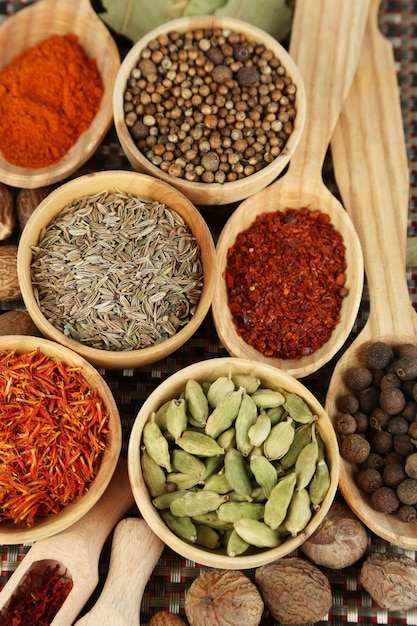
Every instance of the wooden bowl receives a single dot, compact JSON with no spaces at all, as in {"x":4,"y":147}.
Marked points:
{"x":11,"y":533}
{"x":136,"y":184}
{"x":199,"y":192}
{"x":208,"y":371}
{"x":29,"y":27}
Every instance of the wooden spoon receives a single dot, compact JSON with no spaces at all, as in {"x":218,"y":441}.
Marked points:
{"x":325,"y":44}
{"x":30,"y":26}
{"x":134,"y":554}
{"x":76,"y":549}
{"x":371,"y":169}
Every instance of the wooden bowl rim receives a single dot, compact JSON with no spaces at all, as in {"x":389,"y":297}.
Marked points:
{"x":132,"y":182}
{"x":11,"y":533}
{"x":56,"y":14}
{"x":208,"y":370}
{"x":212,"y":193}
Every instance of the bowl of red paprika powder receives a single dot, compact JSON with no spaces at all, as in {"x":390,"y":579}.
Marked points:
{"x":211,"y":105}
{"x":57,"y":71}
{"x":60,"y":435}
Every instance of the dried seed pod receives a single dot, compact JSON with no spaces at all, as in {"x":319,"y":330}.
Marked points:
{"x":391,"y":580}
{"x":295,"y":591}
{"x":223,"y":598}
{"x":339,"y":541}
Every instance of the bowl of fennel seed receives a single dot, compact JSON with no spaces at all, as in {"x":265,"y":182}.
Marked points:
{"x":118,"y":266}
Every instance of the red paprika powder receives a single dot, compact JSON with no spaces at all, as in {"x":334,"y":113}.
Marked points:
{"x":49,"y":95}
{"x":285,"y":279}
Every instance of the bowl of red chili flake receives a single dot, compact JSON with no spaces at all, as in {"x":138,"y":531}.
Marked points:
{"x":58,"y":65}
{"x":60,"y":438}
{"x":212,"y":105}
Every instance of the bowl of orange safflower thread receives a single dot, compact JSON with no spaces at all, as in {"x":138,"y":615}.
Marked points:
{"x":60,"y":436}
{"x":57,"y":71}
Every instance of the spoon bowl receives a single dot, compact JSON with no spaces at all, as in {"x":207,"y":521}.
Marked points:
{"x":29,"y":27}
{"x":302,"y":185}
{"x":375,"y":190}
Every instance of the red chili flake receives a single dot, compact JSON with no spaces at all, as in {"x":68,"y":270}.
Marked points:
{"x":53,"y":432}
{"x":38,"y":599}
{"x":285,"y":279}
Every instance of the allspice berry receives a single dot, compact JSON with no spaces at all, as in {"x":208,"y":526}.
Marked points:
{"x":407,"y":367}
{"x":407,"y":491}
{"x":378,"y":355}
{"x":382,"y":441}
{"x":346,"y":424}
{"x":385,"y":500}
{"x":369,"y":480}
{"x":358,"y":378}
{"x":348,"y":403}
{"x":393,"y":474}
{"x":355,"y":448}
{"x":392,"y":401}
{"x":407,"y":513}
{"x":411,"y":465}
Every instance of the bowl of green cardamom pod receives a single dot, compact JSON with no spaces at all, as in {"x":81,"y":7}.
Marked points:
{"x":233,"y":463}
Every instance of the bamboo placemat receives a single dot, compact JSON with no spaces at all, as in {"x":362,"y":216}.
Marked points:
{"x":172,"y":576}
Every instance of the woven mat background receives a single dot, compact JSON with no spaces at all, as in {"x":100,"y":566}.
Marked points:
{"x":172,"y":576}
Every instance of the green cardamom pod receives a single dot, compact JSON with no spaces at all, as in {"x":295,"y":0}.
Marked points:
{"x":218,"y":389}
{"x":195,"y":503}
{"x":260,"y":430}
{"x":265,"y":474}
{"x":279,"y":439}
{"x":299,"y":512}
{"x":302,"y":437}
{"x":199,"y":444}
{"x":276,"y":507}
{"x":320,"y":483}
{"x":247,"y":381}
{"x":197,"y":403}
{"x":213,"y":465}
{"x":237,"y":473}
{"x":218,"y":483}
{"x":207,"y":537}
{"x":257,"y":533}
{"x":298,"y":408}
{"x":236,"y":545}
{"x":163,"y":501}
{"x":156,"y":445}
{"x":277,"y":414}
{"x":212,"y":519}
{"x":227,"y":439}
{"x":187,"y":463}
{"x":224,"y":414}
{"x":153,"y":475}
{"x":267,"y":398}
{"x":160,"y":416}
{"x":183,"y":527}
{"x":176,"y":418}
{"x":305,"y":465}
{"x":183,"y":481}
{"x":246,"y":417}
{"x":233,"y":511}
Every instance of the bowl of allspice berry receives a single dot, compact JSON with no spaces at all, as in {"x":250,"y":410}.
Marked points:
{"x":233,"y":463}
{"x":211,"y":105}
{"x":374,"y":412}
{"x":117,"y":266}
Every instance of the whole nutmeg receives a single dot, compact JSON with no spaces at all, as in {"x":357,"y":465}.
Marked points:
{"x":27,"y":200}
{"x":223,"y":598}
{"x":7,"y":212}
{"x":166,"y":618}
{"x":339,"y":541}
{"x":391,"y":580}
{"x":295,"y":591}
{"x":9,"y":282}
{"x":18,"y":323}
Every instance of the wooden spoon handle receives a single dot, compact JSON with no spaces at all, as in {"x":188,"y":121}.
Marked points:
{"x":135,"y":552}
{"x":371,"y":170}
{"x":325,"y":43}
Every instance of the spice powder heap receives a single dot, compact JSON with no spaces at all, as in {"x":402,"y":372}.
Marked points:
{"x":117,"y":272}
{"x":53,"y":432}
{"x":285,"y":280}
{"x":49,"y":96}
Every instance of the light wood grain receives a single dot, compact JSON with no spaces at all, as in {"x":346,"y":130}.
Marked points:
{"x":137,"y":184}
{"x":77,"y":549}
{"x":29,"y":27}
{"x":135,"y":552}
{"x":11,"y":533}
{"x":208,"y":371}
{"x":325,"y":44}
{"x":213,"y":193}
{"x":371,"y":169}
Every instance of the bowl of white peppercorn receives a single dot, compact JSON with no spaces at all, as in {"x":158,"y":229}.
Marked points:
{"x":233,"y":463}
{"x":118,"y":266}
{"x":214,"y":106}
